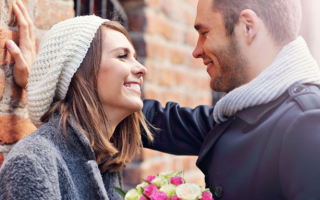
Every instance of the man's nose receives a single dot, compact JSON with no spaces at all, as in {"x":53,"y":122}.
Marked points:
{"x":198,"y":51}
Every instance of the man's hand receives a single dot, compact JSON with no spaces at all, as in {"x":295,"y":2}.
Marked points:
{"x":24,"y":55}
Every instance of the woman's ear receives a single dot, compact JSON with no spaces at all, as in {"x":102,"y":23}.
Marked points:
{"x":249,"y":22}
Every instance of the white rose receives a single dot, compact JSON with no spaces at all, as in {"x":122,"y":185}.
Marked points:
{"x":132,"y":195}
{"x":170,"y":174}
{"x":142,"y":185}
{"x":170,"y":190}
{"x":189,"y":191}
{"x":160,"y":181}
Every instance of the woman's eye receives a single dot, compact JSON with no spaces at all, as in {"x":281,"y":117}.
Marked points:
{"x":122,"y":56}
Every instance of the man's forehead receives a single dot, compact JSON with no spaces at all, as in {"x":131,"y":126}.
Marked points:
{"x":204,"y":12}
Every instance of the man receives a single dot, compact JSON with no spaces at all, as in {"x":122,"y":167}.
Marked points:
{"x":261,"y":140}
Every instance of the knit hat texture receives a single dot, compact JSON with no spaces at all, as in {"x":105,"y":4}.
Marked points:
{"x":61,"y":52}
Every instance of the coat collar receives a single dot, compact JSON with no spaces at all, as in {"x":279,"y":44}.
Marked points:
{"x":254,"y":114}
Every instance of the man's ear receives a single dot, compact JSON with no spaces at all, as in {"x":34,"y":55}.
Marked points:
{"x":250,"y":25}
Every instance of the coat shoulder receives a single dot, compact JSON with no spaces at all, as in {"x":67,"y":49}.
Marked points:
{"x":306,"y":96}
{"x":39,"y":143}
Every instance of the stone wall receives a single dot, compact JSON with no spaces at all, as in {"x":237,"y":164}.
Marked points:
{"x":14,"y":122}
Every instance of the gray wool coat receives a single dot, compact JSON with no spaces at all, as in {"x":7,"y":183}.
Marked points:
{"x":43,"y":166}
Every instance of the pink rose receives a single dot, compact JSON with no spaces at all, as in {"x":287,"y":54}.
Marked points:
{"x":175,"y":198}
{"x":150,"y":189}
{"x":159,"y":196}
{"x":150,"y":178}
{"x":176,"y":180}
{"x":206,"y":196}
{"x":143,"y":198}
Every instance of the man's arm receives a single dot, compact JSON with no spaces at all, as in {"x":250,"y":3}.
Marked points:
{"x":300,"y":158}
{"x":182,"y":130}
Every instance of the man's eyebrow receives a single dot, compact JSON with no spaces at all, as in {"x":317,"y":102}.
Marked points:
{"x":198,"y":26}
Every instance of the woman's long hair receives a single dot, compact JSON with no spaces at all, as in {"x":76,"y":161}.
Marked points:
{"x":83,"y":103}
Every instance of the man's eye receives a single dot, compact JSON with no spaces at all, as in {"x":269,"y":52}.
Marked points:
{"x":204,"y":33}
{"x":122,"y":56}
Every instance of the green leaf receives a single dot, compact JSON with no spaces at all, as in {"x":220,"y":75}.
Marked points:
{"x":146,"y":181}
{"x":120,"y":191}
{"x":146,"y":196}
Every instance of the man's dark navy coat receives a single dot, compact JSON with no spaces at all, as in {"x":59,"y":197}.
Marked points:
{"x":266,"y":152}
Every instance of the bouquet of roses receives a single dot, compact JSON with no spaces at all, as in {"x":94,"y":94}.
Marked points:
{"x":166,"y":186}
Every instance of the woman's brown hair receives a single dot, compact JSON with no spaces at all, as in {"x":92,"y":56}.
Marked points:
{"x":83,"y":103}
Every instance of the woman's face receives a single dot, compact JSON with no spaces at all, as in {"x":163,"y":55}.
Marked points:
{"x":120,"y":76}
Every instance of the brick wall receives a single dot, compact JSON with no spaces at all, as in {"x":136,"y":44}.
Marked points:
{"x":163,"y":34}
{"x":14,"y":122}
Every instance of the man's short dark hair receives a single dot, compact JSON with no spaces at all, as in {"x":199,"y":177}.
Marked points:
{"x":281,"y":17}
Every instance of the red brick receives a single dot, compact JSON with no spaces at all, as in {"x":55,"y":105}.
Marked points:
{"x":1,"y":159}
{"x":137,"y":21}
{"x":151,"y":73}
{"x":5,"y":35}
{"x":177,"y":34}
{"x":155,"y":50}
{"x":177,"y":56}
{"x":49,"y":13}
{"x":165,"y":76}
{"x":179,"y":13}
{"x":197,"y":63}
{"x":167,"y":6}
{"x":191,"y":38}
{"x":14,"y":128}
{"x":206,"y":99}
{"x":2,"y":83}
{"x":153,"y":23}
{"x":159,"y":25}
{"x":151,"y":94}
{"x":165,"y":96}
{"x":166,"y":29}
{"x":156,"y":168}
{"x":148,"y":153}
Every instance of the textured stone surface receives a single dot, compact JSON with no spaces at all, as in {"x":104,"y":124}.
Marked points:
{"x":50,"y":12}
{"x":14,"y":128}
{"x":5,"y":35}
{"x":2,"y":83}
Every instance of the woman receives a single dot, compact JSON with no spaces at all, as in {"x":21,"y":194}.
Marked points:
{"x":84,"y":94}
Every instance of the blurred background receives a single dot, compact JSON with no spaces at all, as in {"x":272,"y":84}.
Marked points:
{"x":163,"y":35}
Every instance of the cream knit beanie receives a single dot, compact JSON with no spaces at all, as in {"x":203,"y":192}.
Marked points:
{"x":61,"y":52}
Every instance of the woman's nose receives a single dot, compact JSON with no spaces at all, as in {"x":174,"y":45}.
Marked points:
{"x":139,"y":69}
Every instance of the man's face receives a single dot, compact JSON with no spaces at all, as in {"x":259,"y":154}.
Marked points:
{"x":221,"y":53}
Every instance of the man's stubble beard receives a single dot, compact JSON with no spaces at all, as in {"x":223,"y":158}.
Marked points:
{"x":233,"y":68}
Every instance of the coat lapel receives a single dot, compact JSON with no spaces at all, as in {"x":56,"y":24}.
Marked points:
{"x":211,"y":139}
{"x":96,"y":179}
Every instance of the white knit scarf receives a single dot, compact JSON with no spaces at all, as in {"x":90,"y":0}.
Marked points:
{"x":294,"y":64}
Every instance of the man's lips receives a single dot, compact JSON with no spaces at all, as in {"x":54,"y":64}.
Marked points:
{"x":209,"y":65}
